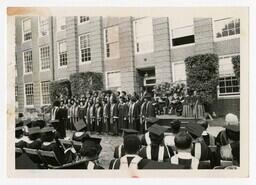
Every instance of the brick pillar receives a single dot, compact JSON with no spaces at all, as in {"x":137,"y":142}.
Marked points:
{"x":72,"y":44}
{"x":162,"y":53}
{"x":203,"y":35}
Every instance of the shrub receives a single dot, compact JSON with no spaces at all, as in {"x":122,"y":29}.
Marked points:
{"x":83,"y":82}
{"x":59,"y":88}
{"x":202,"y":75}
{"x":236,"y":66}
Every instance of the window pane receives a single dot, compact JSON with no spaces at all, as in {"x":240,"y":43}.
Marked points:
{"x":179,"y":71}
{"x":226,"y":27}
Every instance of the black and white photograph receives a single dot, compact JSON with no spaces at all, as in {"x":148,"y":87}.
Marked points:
{"x":130,"y":92}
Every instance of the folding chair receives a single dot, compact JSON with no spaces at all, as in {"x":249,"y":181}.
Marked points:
{"x":34,"y":156}
{"x":49,"y":158}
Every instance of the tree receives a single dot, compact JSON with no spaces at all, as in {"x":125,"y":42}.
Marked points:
{"x":236,"y":66}
{"x":60,"y":88}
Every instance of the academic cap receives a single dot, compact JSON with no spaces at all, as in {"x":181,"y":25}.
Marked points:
{"x":195,"y":129}
{"x":34,"y":130}
{"x":47,"y":129}
{"x":152,"y":120}
{"x":80,"y":136}
{"x":157,"y":129}
{"x":129,"y":131}
{"x":92,"y":141}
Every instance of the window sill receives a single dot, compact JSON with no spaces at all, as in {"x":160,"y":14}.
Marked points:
{"x":145,"y":52}
{"x":229,"y":96}
{"x":62,"y":67}
{"x":45,"y":70}
{"x":29,"y":73}
{"x":29,"y":106}
{"x":25,"y":41}
{"x":226,"y":38}
{"x":86,"y":22}
{"x":84,"y":63}
{"x":182,"y":46}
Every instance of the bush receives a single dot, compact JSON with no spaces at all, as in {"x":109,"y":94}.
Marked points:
{"x":59,"y":88}
{"x":83,"y":82}
{"x":236,"y":66}
{"x":202,"y":75}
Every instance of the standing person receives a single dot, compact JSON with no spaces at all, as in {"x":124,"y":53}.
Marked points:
{"x":187,"y":110}
{"x":134,"y":114}
{"x":143,"y":115}
{"x":82,"y":114}
{"x":131,"y":159}
{"x":92,"y":115}
{"x":99,"y":116}
{"x":123,"y":110}
{"x":68,"y":107}
{"x":54,"y":110}
{"x":106,"y":114}
{"x":62,"y":117}
{"x":198,"y":107}
{"x":149,"y":110}
{"x":72,"y":114}
{"x":157,"y":151}
{"x":114,"y":115}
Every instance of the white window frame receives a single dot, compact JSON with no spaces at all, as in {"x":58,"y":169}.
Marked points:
{"x":105,"y":44}
{"x":218,"y":88}
{"x":134,"y":37}
{"x":25,"y":96}
{"x":28,"y":18}
{"x":40,"y":61}
{"x":79,"y":47}
{"x":80,"y":23}
{"x":58,"y":57}
{"x":106,"y":77}
{"x":24,"y":66}
{"x":170,"y":34}
{"x":173,"y":72}
{"x":57,"y":25}
{"x":39,"y":27}
{"x":41,"y":93}
{"x":227,"y":37}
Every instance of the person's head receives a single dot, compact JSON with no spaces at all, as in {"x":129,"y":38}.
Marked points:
{"x":56,"y":103}
{"x":156,"y":133}
{"x":122,"y":99}
{"x":91,"y":148}
{"x":194,"y":92}
{"x":81,"y":103}
{"x":118,"y":93}
{"x":133,"y":99}
{"x":95,"y":94}
{"x":18,"y":132}
{"x":183,"y":141}
{"x":203,"y":123}
{"x":47,"y":134}
{"x":34,"y":133}
{"x":131,"y":144}
{"x":123,"y":93}
{"x":90,"y":101}
{"x":113,"y":99}
{"x":98,"y":104}
{"x":231,"y":119}
{"x":175,"y":95}
{"x":175,"y":125}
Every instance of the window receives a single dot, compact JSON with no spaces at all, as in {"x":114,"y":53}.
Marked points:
{"x":85,"y":50}
{"x":113,"y":79}
{"x":226,"y":27}
{"x":179,"y":72}
{"x":143,"y":35}
{"x":62,"y":53}
{"x":27,"y":58}
{"x":29,"y":94}
{"x":111,"y":42}
{"x":83,"y":19}
{"x":16,"y":92}
{"x":26,"y":29}
{"x":45,"y":93}
{"x":45,"y":57}
{"x":43,"y":26}
{"x":61,"y":23}
{"x":228,"y":83}
{"x":182,"y":31}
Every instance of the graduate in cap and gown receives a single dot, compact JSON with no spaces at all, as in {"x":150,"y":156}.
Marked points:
{"x":114,"y":115}
{"x":145,"y":139}
{"x":99,"y":116}
{"x":169,"y":137}
{"x":90,"y":116}
{"x":119,"y":150}
{"x":20,"y":139}
{"x":131,"y":159}
{"x":90,"y":152}
{"x":82,"y":111}
{"x":183,"y":144}
{"x":106,"y":114}
{"x":157,"y":150}
{"x":134,"y":114}
{"x":123,"y":110}
{"x":34,"y":136}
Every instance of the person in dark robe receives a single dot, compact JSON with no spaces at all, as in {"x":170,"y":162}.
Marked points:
{"x":68,"y":107}
{"x":34,"y":136}
{"x":106,"y":114}
{"x":119,"y":150}
{"x":149,"y":110}
{"x":123,"y":110}
{"x":20,"y":139}
{"x":183,"y":144}
{"x":90,"y":152}
{"x":134,"y":114}
{"x":99,"y":116}
{"x":143,"y":115}
{"x":89,"y":113}
{"x":131,"y":159}
{"x":114,"y":115}
{"x":157,"y":151}
{"x":82,"y":111}
{"x":198,"y":107}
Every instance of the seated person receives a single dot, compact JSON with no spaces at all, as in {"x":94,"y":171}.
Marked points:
{"x":119,"y":150}
{"x":20,"y":139}
{"x":131,"y":159}
{"x":90,"y":152}
{"x":199,"y":148}
{"x":34,"y":141}
{"x":183,"y":144}
{"x":157,"y":151}
{"x":49,"y":144}
{"x":208,"y":138}
{"x":145,"y":139}
{"x":169,"y":138}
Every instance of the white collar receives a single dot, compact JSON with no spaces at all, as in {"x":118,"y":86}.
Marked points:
{"x":184,"y":155}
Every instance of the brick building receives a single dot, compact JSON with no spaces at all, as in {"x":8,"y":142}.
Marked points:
{"x":130,"y":52}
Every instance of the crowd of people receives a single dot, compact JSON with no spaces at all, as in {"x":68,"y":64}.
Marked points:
{"x":179,"y":146}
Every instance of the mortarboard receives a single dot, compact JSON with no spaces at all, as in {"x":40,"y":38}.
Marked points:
{"x":47,"y":129}
{"x":195,"y":129}
{"x":80,"y":136}
{"x":129,"y":131}
{"x":34,"y":130}
{"x":157,"y":129}
{"x":152,"y":120}
{"x":92,"y":141}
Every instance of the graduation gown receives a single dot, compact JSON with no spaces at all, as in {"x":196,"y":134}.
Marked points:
{"x":123,"y":111}
{"x":135,"y":160}
{"x":134,"y":116}
{"x":106,"y":117}
{"x":34,"y":144}
{"x":158,"y":153}
{"x":61,"y":126}
{"x":119,"y":151}
{"x":114,"y":116}
{"x":99,"y":119}
{"x":143,"y":116}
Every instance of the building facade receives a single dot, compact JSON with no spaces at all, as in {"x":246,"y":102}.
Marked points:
{"x":131,"y":52}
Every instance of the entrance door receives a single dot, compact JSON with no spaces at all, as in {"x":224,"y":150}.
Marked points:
{"x":147,"y":79}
